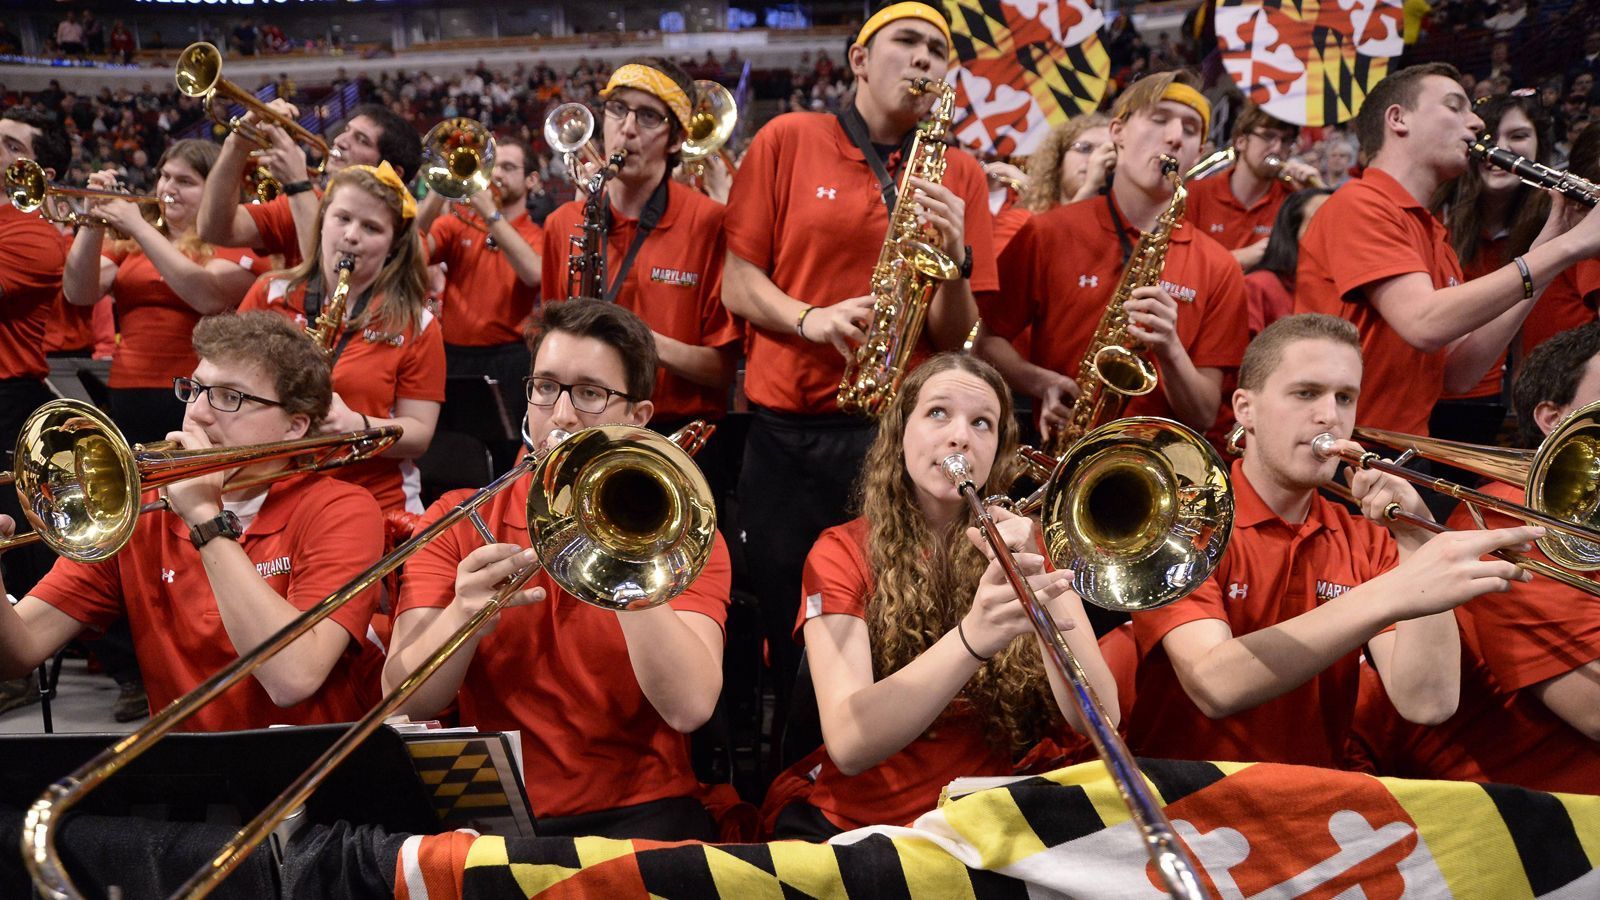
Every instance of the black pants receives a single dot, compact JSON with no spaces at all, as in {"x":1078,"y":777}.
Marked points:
{"x":24,"y":566}
{"x":507,"y":364}
{"x":146,"y":414}
{"x":799,"y":477}
{"x":671,"y":819}
{"x":800,"y":821}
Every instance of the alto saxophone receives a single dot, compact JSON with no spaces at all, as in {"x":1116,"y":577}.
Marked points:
{"x":1114,"y":367}
{"x":330,"y":321}
{"x":909,"y":270}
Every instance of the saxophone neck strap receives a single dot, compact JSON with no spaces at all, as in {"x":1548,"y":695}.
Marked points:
{"x":856,"y":128}
{"x":1121,"y":229}
{"x":654,"y":209}
{"x":313,"y":308}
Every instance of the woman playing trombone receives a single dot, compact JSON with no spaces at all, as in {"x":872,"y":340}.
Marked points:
{"x":912,"y":636}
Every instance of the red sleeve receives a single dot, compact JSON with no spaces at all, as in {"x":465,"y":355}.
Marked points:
{"x":422,"y":372}
{"x":256,"y":297}
{"x":1205,"y":603}
{"x":430,"y":574}
{"x":246,"y":258}
{"x":835,"y":580}
{"x":751,"y":221}
{"x":1587,"y":275}
{"x":1370,"y":243}
{"x":31,"y":263}
{"x":1219,"y":344}
{"x":718,"y":326}
{"x":444,"y":231}
{"x":1012,"y":308}
{"x":708,"y":594}
{"x":340,"y":534}
{"x":88,"y":592}
{"x":559,"y":228}
{"x":275,"y":222}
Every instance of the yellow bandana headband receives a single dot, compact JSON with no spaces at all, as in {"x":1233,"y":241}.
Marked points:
{"x":386,"y":174}
{"x":653,"y":82}
{"x":898,"y":11}
{"x":1178,"y":92}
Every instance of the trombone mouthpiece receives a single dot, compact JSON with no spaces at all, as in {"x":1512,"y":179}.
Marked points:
{"x":955,"y":468}
{"x":555,"y":437}
{"x":1324,"y":446}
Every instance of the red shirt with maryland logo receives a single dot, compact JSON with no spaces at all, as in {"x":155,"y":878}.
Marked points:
{"x":32,"y":258}
{"x":1272,"y":571}
{"x":558,"y":673}
{"x":376,"y":370}
{"x":1061,"y":270}
{"x":807,"y":210}
{"x":484,"y":302}
{"x":1216,"y":212}
{"x":1370,"y":230}
{"x":311,"y":536}
{"x":155,"y":323}
{"x":275,"y":221}
{"x":674,"y":285}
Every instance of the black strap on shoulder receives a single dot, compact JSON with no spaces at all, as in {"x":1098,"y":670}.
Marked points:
{"x":313,"y":308}
{"x":654,"y":209}
{"x":1121,"y":229}
{"x":856,"y":127}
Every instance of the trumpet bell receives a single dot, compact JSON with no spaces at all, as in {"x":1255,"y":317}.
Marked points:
{"x":26,"y":185}
{"x":568,"y":127}
{"x":199,"y":67}
{"x":458,"y":158}
{"x":711,"y":123}
{"x":78,"y":479}
{"x":1141,"y":510}
{"x":621,"y":517}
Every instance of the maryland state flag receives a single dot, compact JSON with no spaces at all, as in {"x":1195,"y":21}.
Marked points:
{"x":1025,"y":66}
{"x":1305,"y":61}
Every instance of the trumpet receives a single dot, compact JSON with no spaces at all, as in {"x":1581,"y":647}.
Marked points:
{"x":709,"y":127}
{"x":199,"y":75}
{"x":79,"y":479}
{"x":330,"y":321}
{"x":620,"y":515}
{"x":1532,"y":173}
{"x":31,"y":191}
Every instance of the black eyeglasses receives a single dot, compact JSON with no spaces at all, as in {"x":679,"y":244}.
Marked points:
{"x":647,"y":118}
{"x":222,"y":399}
{"x":587,"y":398}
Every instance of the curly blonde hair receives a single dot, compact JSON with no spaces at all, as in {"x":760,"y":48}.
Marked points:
{"x":1042,"y":192}
{"x":924,"y":580}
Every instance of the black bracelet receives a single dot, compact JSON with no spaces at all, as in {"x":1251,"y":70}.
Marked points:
{"x":296,"y":187}
{"x":1527,"y":277}
{"x":365,"y":422}
{"x":962,"y":633}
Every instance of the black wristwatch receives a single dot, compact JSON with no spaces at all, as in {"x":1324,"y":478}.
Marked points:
{"x":966,"y":263}
{"x":225,"y":525}
{"x":296,"y":187}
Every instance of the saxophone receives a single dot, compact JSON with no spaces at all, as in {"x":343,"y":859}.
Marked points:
{"x":330,"y":321}
{"x":1114,"y":367}
{"x":909,"y":270}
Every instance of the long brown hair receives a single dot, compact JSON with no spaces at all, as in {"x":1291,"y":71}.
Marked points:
{"x":1042,"y":191}
{"x":198,"y":155}
{"x":402,"y":282}
{"x":1461,"y":199}
{"x":924,"y":580}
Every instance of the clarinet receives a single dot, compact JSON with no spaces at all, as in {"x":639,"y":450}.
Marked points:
{"x":586,"y":261}
{"x":1540,"y":176}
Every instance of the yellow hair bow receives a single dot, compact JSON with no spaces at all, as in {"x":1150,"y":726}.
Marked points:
{"x":386,"y":174}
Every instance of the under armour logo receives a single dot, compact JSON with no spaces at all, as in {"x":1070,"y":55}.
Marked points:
{"x":827,"y":193}
{"x":167,"y":575}
{"x":1216,"y":228}
{"x":1088,"y":281}
{"x":1237,"y":591}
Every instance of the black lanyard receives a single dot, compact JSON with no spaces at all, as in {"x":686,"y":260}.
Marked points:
{"x":856,"y":128}
{"x":654,"y":209}
{"x":313,"y":305}
{"x":1121,"y":229}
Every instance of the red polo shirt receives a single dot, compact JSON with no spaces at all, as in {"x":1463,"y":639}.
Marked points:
{"x":275,"y":221}
{"x":558,"y":673}
{"x":376,"y":370}
{"x":1370,"y":230}
{"x":311,"y":537}
{"x":807,"y":210}
{"x":484,"y":303}
{"x":674,"y":285}
{"x":1061,"y":270}
{"x":1272,"y":571}
{"x":1567,"y":302}
{"x":32,"y":258}
{"x":70,"y":327}
{"x":1216,"y":212}
{"x":154,"y":322}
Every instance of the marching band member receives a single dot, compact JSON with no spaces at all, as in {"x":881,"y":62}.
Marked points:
{"x":1237,"y":209}
{"x":806,"y":221}
{"x":388,"y":359}
{"x":1064,"y":266}
{"x":1260,"y":663}
{"x":603,"y":701}
{"x":163,"y":278}
{"x":284,"y":225}
{"x":1376,"y":256}
{"x":221,"y":572}
{"x":1530,"y":661}
{"x":1269,"y":287}
{"x":1571,"y":298}
{"x":1072,"y":163}
{"x":912,"y":639}
{"x":664,"y":246}
{"x":493,"y":272}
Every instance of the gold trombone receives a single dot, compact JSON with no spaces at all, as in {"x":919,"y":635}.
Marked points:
{"x":30,"y":190}
{"x":79,"y":480}
{"x":620,"y":515}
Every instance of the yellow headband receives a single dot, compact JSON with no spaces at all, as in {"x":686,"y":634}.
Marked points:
{"x":1178,"y":92}
{"x":386,"y":174}
{"x":654,"y":82}
{"x":907,"y":10}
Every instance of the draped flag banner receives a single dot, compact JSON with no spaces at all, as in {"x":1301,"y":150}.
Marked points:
{"x":1259,"y":830}
{"x":1026,"y":65}
{"x":1305,"y":61}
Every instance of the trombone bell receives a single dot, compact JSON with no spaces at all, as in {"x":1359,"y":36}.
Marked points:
{"x":78,"y":480}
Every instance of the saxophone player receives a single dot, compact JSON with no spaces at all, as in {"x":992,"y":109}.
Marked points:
{"x":1063,"y":267}
{"x":807,"y":217}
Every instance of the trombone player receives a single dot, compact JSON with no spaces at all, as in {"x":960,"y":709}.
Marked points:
{"x":221,"y":571}
{"x":604,"y":701}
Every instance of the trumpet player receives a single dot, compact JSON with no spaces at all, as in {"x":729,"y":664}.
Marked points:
{"x":1260,"y":663}
{"x":1061,"y":271}
{"x":162,"y":278}
{"x":285,"y":225}
{"x":1237,"y":208}
{"x":807,"y":220}
{"x":220,"y":571}
{"x":603,"y":700}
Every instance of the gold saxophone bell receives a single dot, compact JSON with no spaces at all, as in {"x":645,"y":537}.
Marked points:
{"x":31,"y":191}
{"x":199,"y":74}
